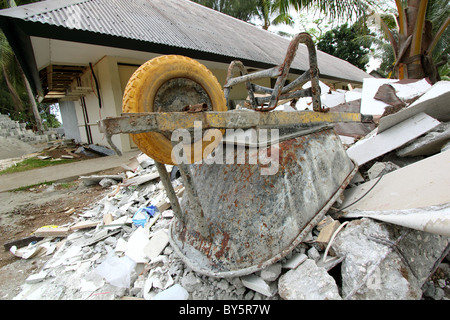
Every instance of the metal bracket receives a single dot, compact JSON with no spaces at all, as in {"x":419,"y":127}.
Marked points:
{"x":281,"y":72}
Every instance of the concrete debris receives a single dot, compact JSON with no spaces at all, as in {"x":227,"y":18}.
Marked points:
{"x":103,"y":180}
{"x":308,"y":282}
{"x":387,"y":238}
{"x":381,"y":168}
{"x":429,"y":144}
{"x":10,"y":129}
{"x":387,"y":262}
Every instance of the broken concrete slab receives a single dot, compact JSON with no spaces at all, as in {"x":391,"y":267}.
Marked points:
{"x":433,"y":219}
{"x":434,"y":102}
{"x":421,"y":184}
{"x":429,"y":144}
{"x":386,"y":262}
{"x":377,"y":145}
{"x":308,"y":282}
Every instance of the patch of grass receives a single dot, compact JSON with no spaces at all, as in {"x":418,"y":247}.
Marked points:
{"x":48,"y":183}
{"x":68,"y":185}
{"x":33,"y":163}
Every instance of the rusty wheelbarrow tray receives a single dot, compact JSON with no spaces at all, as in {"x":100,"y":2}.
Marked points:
{"x":253,"y":220}
{"x":233,"y":220}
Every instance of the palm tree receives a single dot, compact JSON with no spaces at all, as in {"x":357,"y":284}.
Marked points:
{"x":269,"y":14}
{"x":421,"y":26}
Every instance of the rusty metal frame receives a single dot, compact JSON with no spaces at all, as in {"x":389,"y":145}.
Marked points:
{"x":170,"y":121}
{"x":280,"y":91}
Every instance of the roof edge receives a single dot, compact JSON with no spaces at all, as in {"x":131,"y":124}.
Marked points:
{"x":35,"y":8}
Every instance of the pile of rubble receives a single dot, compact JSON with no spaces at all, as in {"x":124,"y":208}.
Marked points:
{"x":384,"y":240}
{"x":17,"y":130}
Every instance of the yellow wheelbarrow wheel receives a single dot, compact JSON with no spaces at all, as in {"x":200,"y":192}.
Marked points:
{"x":169,"y":84}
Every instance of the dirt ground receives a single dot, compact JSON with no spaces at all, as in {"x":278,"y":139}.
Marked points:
{"x":21,"y":213}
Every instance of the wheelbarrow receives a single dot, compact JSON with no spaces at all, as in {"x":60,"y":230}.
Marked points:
{"x":234,"y":218}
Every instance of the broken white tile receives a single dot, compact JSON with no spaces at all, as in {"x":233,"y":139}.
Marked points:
{"x":136,"y":244}
{"x":121,"y":245}
{"x":35,"y":278}
{"x":412,"y":90}
{"x":175,"y":292}
{"x":156,"y":244}
{"x":369,"y":105}
{"x":295,"y":261}
{"x":433,"y":219}
{"x":257,"y":284}
{"x":391,"y":139}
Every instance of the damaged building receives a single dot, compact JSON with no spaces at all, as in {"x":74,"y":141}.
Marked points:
{"x":358,"y":208}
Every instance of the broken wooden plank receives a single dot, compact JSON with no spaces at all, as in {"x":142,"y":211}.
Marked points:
{"x":52,"y":232}
{"x":84,"y":225}
{"x":327,"y":232}
{"x":141,"y":179}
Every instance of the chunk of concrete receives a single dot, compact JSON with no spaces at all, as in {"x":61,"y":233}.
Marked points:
{"x":327,"y":232}
{"x":308,"y":282}
{"x":380,"y":168}
{"x":429,"y":144}
{"x":271,"y":273}
{"x":386,"y":262}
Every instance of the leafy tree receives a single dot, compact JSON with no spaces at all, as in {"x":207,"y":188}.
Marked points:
{"x":22,"y":103}
{"x":344,"y":42}
{"x":421,"y":25}
{"x":265,"y":10}
{"x":242,"y":10}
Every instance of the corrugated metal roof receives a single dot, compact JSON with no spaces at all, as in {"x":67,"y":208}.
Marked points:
{"x":181,"y":24}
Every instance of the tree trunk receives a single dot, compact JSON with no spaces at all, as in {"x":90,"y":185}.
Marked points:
{"x":18,"y":105}
{"x":34,"y":106}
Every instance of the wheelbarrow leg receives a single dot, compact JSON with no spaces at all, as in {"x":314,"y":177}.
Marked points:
{"x":165,"y":179}
{"x":195,"y":207}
